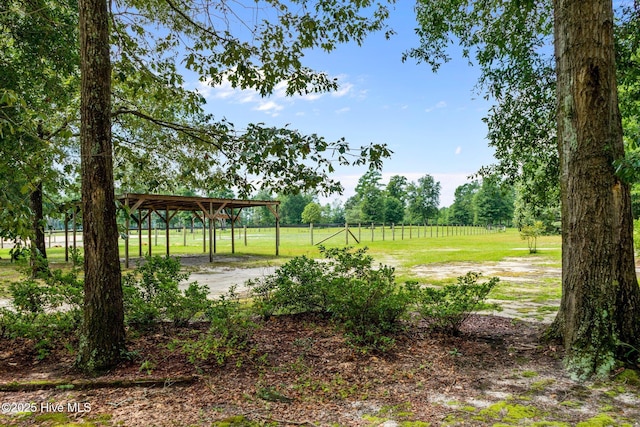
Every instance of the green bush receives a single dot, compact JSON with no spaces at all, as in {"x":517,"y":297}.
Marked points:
{"x":230,"y":331}
{"x":296,"y":287}
{"x":364,"y":300}
{"x":448,"y":307}
{"x":47,"y":312}
{"x":152,"y":293}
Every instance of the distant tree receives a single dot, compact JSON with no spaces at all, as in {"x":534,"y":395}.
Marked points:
{"x":397,"y":188}
{"x":291,"y":207}
{"x":393,"y":210}
{"x":262,"y":215}
{"x":312,"y":213}
{"x":423,"y":199}
{"x":367,"y":205}
{"x":494,"y":202}
{"x":463,"y":207}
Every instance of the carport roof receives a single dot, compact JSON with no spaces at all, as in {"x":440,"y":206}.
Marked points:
{"x":187,"y":203}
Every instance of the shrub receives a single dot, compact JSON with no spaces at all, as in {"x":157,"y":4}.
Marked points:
{"x":448,"y":307}
{"x":230,"y":331}
{"x":530,"y":233}
{"x":299,"y":286}
{"x":366,"y":301}
{"x":47,"y":312}
{"x":152,"y":293}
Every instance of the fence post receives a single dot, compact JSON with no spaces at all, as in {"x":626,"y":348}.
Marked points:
{"x":383,"y":231}
{"x":372,"y":231}
{"x":245,"y":235}
{"x":410,"y":231}
{"x":359,"y":232}
{"x":346,"y":232}
{"x":393,"y":231}
{"x":311,"y":232}
{"x":184,"y":236}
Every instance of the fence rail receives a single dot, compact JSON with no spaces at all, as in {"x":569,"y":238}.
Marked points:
{"x":299,"y":234}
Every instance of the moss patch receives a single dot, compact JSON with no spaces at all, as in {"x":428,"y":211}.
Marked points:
{"x":508,"y":412}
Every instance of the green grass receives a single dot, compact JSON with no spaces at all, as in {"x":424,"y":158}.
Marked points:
{"x":425,"y":247}
{"x":446,"y":248}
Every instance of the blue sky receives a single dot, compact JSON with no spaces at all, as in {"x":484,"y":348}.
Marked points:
{"x":432,"y":122}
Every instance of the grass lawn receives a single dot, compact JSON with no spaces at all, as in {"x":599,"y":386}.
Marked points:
{"x":416,"y":245}
{"x":407,"y":250}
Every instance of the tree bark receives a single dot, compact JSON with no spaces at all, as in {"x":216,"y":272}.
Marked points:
{"x":38,"y":245}
{"x":102,"y":336}
{"x":600,"y":310}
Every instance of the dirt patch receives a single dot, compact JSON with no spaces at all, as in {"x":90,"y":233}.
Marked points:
{"x":300,"y":371}
{"x":509,"y":269}
{"x":220,"y":279}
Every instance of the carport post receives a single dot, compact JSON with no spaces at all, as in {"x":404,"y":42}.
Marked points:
{"x":140,"y":232}
{"x":277,"y":232}
{"x":211,"y":225}
{"x":66,"y":236}
{"x":233,"y":233}
{"x":166,"y":228}
{"x":150,"y":237}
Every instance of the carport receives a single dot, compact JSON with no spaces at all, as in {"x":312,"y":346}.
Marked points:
{"x":141,"y":207}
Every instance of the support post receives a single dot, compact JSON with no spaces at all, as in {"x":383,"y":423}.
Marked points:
{"x":233,"y":233}
{"x":66,"y":236}
{"x":211,"y":239}
{"x":166,"y":225}
{"x":149,"y":215}
{"x":140,"y":232}
{"x":277,"y":232}
{"x":127,"y":224}
{"x":311,"y":232}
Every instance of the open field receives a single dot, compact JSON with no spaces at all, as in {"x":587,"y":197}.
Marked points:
{"x":530,"y":283}
{"x":421,"y":244}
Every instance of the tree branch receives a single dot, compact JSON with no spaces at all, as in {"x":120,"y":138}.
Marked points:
{"x":186,"y":130}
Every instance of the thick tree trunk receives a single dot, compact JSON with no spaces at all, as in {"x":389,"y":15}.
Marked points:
{"x":600,"y":308}
{"x":102,"y":336}
{"x":38,"y":245}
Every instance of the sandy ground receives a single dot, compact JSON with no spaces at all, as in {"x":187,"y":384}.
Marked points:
{"x":220,"y":279}
{"x":221,"y":275}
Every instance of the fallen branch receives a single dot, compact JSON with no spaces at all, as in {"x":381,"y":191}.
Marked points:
{"x":94,"y":384}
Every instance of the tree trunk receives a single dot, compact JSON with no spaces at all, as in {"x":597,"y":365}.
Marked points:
{"x":600,"y":309}
{"x":38,"y":245}
{"x":102,"y":335}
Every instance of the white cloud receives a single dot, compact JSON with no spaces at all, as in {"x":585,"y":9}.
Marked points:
{"x":311,"y":96}
{"x":439,"y":105}
{"x":278,"y":100}
{"x":343,"y":90}
{"x":270,"y":107}
{"x":458,"y":150}
{"x":343,"y":110}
